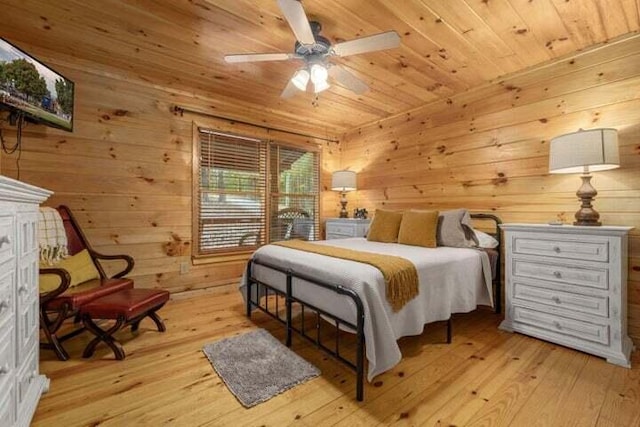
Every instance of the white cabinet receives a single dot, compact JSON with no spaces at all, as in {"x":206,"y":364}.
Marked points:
{"x":341,"y":228}
{"x":20,"y":382}
{"x":568,"y":285}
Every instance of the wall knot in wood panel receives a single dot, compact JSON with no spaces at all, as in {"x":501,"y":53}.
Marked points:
{"x":500,"y":180}
{"x":176,"y":247}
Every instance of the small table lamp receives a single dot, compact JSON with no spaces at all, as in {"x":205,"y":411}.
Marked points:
{"x":343,"y":181}
{"x":585,"y":151}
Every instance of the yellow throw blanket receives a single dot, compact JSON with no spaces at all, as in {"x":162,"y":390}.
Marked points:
{"x":400,"y":275}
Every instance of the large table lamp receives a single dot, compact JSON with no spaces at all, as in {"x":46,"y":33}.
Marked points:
{"x":343,"y":181}
{"x":585,"y":151}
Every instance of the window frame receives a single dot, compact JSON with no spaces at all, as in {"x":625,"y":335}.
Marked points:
{"x":239,"y":253}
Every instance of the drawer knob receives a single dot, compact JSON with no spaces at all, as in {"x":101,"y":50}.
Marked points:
{"x":557,"y":324}
{"x":556,"y":300}
{"x":4,"y":305}
{"x":4,"y":369}
{"x":557,"y":274}
{"x":556,"y":249}
{"x":22,"y":289}
{"x":4,"y":239}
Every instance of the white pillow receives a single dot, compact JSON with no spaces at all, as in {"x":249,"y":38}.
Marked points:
{"x":485,"y":240}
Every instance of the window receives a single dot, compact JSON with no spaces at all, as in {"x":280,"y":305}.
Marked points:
{"x":293,"y":194}
{"x":235,"y":209}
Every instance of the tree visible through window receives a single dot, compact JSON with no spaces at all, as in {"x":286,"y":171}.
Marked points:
{"x":234,"y":198}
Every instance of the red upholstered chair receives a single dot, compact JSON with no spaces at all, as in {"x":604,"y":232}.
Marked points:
{"x":64,"y":302}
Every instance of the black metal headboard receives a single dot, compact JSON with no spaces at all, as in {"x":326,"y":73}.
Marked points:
{"x":497,"y":235}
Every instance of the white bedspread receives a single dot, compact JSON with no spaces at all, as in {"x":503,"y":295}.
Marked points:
{"x":452,"y":280}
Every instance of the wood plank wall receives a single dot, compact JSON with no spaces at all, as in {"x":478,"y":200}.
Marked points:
{"x":487,"y":149}
{"x":126,"y":171}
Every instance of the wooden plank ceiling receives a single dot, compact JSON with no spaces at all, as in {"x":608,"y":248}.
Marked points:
{"x":448,"y":46}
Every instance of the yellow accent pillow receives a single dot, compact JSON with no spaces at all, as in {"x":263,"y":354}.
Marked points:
{"x":79,"y":266}
{"x":419,"y":229}
{"x":385,"y":226}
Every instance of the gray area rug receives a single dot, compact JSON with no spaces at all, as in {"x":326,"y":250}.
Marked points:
{"x":255,"y":366}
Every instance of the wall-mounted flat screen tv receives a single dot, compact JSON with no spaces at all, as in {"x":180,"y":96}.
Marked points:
{"x":29,"y":86}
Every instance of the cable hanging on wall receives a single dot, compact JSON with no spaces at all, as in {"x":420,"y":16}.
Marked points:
{"x":10,"y":150}
{"x":16,"y":119}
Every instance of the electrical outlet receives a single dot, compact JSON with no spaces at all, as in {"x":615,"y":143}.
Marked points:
{"x":184,"y":267}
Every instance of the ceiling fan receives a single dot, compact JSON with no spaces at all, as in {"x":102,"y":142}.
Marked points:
{"x":315,"y":50}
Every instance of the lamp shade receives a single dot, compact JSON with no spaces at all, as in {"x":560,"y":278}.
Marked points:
{"x":584,"y":151}
{"x":343,"y":181}
{"x":300,"y":79}
{"x":319,"y":73}
{"x":320,"y":86}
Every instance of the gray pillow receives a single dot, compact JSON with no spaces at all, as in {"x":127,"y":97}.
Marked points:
{"x":454,"y":229}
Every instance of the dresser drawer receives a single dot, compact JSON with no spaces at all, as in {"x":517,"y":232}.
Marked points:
{"x":7,"y":238}
{"x":7,"y":296}
{"x":338,"y":236}
{"x":596,"y":305}
{"x":558,"y":247}
{"x":7,"y":353}
{"x":8,"y":404}
{"x":580,"y":276}
{"x":569,"y":327}
{"x":345,"y":230}
{"x":27,"y":328}
{"x":26,"y":377}
{"x":27,"y":228}
{"x":27,"y":288}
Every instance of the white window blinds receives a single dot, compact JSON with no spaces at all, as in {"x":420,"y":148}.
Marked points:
{"x":232,"y":202}
{"x":236,"y":209}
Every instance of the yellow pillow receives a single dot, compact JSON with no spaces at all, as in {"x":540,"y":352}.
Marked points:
{"x":79,"y":266}
{"x":419,"y":229}
{"x":384,"y":227}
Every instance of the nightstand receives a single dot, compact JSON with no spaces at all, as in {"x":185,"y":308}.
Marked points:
{"x":568,"y":285}
{"x":341,"y":228}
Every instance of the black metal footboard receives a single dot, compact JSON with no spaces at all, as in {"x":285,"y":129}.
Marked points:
{"x":263,"y":289}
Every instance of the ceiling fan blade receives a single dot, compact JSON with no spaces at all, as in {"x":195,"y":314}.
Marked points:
{"x":256,"y":57}
{"x":289,"y":90}
{"x":381,"y":41}
{"x":348,"y":80}
{"x":294,"y":13}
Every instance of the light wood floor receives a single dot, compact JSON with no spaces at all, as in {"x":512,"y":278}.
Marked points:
{"x":485,"y":378}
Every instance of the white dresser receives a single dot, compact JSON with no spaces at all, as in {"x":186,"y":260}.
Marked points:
{"x":20,"y":382}
{"x":568,"y":285}
{"x":341,"y":228}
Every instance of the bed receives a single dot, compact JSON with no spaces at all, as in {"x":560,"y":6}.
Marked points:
{"x":351,"y":295}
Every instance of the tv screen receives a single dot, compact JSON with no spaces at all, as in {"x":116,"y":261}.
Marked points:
{"x":28,"y":85}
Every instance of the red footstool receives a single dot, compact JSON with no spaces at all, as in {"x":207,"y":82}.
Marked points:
{"x":126,"y":307}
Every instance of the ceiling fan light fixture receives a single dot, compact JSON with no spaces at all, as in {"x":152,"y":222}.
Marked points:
{"x":319,"y":74}
{"x":320,"y":86}
{"x":315,"y":50}
{"x":300,"y":79}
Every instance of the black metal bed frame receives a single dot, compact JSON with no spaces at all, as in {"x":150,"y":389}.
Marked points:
{"x":263,"y":290}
